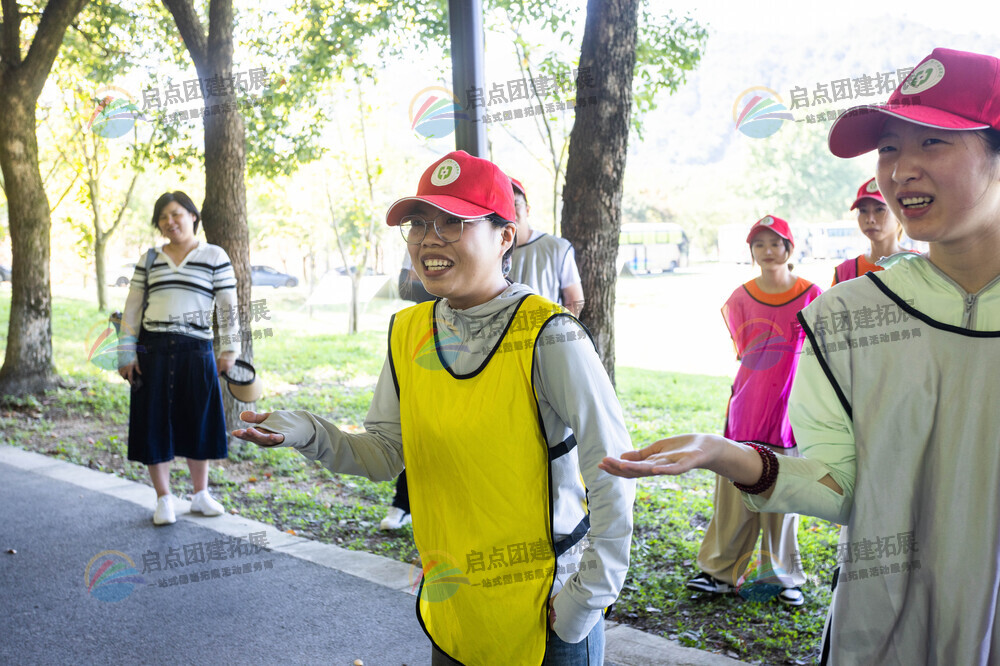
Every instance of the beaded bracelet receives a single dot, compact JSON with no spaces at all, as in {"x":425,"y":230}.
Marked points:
{"x":767,"y":476}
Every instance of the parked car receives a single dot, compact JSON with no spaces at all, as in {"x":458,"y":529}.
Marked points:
{"x":265,"y":276}
{"x":4,"y":274}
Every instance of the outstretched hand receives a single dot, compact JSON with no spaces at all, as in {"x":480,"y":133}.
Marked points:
{"x":259,"y":436}
{"x":671,"y":456}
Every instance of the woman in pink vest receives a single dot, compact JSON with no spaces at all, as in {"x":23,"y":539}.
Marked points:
{"x":880,"y":226}
{"x":760,"y":316}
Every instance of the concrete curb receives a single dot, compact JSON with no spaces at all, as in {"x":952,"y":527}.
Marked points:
{"x":625,"y":646}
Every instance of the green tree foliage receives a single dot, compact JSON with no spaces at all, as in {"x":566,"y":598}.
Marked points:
{"x":668,"y":47}
{"x":321,"y":39}
{"x":793,"y":174}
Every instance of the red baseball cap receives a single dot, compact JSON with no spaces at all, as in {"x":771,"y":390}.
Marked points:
{"x":518,"y":187}
{"x":950,"y":90}
{"x":868,"y":191}
{"x":775,"y":224}
{"x":462,"y":185}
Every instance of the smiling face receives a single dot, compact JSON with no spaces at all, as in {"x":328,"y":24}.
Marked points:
{"x":176,"y":223}
{"x":768,"y":249}
{"x":944,"y":186}
{"x":876,"y":222}
{"x":468,"y":271}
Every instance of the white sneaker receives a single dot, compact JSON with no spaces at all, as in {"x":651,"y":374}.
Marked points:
{"x":395,"y":519}
{"x":164,"y":514}
{"x":792,"y":596}
{"x":206,"y":505}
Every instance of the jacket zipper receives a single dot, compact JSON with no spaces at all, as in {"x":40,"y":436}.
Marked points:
{"x":968,"y":319}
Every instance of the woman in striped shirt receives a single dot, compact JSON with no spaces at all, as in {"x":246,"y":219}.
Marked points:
{"x":176,"y":406}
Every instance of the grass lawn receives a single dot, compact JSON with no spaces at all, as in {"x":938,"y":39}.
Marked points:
{"x":333,"y":375}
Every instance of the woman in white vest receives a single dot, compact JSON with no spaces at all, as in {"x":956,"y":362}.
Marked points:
{"x":497,"y":400}
{"x":895,"y":409}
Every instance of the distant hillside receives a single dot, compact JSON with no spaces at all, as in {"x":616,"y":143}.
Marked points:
{"x":695,"y":168}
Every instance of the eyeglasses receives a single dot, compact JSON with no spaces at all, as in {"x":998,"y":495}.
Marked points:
{"x":447,"y":227}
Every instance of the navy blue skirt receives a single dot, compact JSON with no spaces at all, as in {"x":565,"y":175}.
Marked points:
{"x":178,"y":409}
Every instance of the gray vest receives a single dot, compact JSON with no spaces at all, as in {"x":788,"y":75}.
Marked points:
{"x":920,"y":556}
{"x":539,"y":264}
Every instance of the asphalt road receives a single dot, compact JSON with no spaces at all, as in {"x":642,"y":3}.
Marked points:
{"x":278,"y":609}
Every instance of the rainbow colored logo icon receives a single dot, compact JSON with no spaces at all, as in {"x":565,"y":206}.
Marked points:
{"x":111,"y":576}
{"x":103,"y":351}
{"x":115,"y":113}
{"x":761,"y":580}
{"x":439,"y":579}
{"x":433,"y":112}
{"x":764,"y":343}
{"x":437,"y":353}
{"x":759,"y":112}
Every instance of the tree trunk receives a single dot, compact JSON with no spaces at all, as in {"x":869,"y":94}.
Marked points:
{"x":27,"y":366}
{"x":224,"y":211}
{"x":352,"y":321}
{"x":100,"y":247}
{"x":595,"y":167}
{"x":100,"y":240}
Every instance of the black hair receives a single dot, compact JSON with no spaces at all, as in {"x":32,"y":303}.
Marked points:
{"x":500,"y":222}
{"x":991,"y":137}
{"x":181,"y":198}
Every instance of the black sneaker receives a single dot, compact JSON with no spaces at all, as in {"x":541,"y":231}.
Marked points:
{"x":705,"y":583}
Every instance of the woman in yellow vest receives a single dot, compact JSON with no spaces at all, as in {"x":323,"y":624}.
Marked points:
{"x":496,"y":400}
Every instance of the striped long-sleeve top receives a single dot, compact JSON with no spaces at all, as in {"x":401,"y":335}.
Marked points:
{"x":181,"y":298}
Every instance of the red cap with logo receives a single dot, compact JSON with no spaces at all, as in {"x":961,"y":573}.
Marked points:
{"x":462,"y":185}
{"x":518,"y":187}
{"x":950,"y":90}
{"x":775,"y":224}
{"x":868,"y":191}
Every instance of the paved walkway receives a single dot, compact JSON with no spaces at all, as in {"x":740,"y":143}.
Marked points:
{"x":241,"y":592}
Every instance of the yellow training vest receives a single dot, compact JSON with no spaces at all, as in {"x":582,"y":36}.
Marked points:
{"x":477,"y":466}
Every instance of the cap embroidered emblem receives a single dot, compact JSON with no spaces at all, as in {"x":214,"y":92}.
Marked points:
{"x":872,"y":187}
{"x":767,"y":221}
{"x":446,"y":173}
{"x":919,"y":80}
